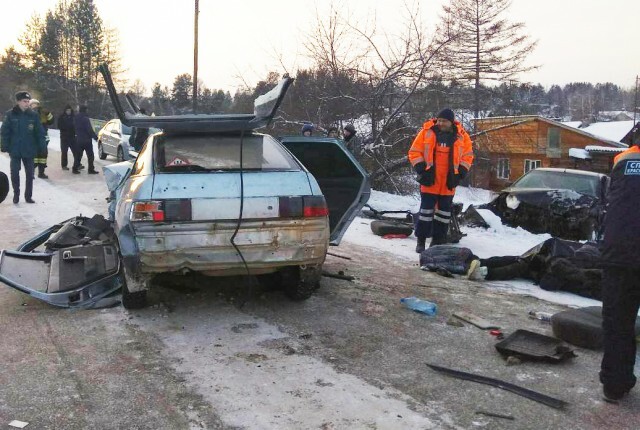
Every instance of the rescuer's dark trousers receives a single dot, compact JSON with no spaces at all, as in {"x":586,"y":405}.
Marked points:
{"x":432,"y":221}
{"x":29,"y":168}
{"x":620,"y":303}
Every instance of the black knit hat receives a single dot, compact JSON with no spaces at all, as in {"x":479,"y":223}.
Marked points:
{"x":447,"y":114}
{"x":21,"y":95}
{"x":350,"y":128}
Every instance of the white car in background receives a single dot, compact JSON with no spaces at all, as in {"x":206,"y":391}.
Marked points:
{"x":113,"y":139}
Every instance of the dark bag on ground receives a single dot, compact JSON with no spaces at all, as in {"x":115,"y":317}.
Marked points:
{"x":452,"y":258}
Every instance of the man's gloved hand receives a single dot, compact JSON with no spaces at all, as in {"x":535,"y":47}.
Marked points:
{"x":462,"y":172}
{"x":426,"y":178}
{"x":420,"y":167}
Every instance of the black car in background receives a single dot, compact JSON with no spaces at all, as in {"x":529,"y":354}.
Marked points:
{"x":565,"y":203}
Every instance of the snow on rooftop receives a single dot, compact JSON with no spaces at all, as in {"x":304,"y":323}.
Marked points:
{"x":580,"y":153}
{"x":612,"y":130}
{"x":596,"y":148}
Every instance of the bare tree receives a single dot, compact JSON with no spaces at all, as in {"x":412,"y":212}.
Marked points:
{"x":389,"y":70}
{"x":487,"y":46}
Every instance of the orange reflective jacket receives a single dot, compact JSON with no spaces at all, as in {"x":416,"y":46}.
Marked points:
{"x":422,"y":150}
{"x":633,"y":149}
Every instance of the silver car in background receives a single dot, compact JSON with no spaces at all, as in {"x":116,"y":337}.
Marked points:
{"x":113,"y":139}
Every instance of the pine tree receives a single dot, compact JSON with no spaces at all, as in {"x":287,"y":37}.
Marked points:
{"x":487,"y":46}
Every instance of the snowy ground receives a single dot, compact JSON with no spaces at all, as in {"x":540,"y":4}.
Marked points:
{"x":497,"y":240}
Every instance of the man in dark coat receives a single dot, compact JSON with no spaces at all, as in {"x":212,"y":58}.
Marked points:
{"x":67,"y":136}
{"x":621,"y":277}
{"x":84,"y":142}
{"x":350,"y":140}
{"x":46,"y":118}
{"x":22,"y":137}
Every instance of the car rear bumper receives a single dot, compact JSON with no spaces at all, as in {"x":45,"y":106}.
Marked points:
{"x":265,"y":245}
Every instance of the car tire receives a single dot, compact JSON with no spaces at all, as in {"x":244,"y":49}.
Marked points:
{"x":135,"y":300}
{"x":300,"y":282}
{"x":101,"y":153}
{"x":382,"y":228}
{"x":120,"y":156}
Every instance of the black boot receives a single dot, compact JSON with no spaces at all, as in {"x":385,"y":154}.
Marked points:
{"x":16,"y":198}
{"x":420,"y":246}
{"x":41,"y":174}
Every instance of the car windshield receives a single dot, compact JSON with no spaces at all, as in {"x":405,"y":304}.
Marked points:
{"x":194,"y":153}
{"x":585,"y":184}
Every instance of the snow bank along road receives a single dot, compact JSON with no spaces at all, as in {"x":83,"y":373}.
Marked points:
{"x":349,"y":357}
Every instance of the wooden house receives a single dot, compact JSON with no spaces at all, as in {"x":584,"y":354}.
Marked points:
{"x":508,"y":147}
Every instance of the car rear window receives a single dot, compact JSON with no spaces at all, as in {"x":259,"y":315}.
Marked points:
{"x":221,"y":152}
{"x":585,"y":184}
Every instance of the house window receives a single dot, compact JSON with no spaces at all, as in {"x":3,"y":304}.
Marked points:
{"x":531,"y":164}
{"x":553,"y":138}
{"x":503,"y":168}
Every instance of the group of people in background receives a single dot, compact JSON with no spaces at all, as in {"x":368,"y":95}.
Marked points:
{"x":25,"y":137}
{"x":348,"y":135}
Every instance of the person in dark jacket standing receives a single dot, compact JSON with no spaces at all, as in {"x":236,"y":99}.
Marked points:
{"x":67,"y":136}
{"x":84,"y":142}
{"x":621,"y":275}
{"x":46,"y":118}
{"x":22,"y":137}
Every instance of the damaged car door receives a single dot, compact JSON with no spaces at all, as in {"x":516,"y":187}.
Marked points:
{"x":342,"y":180}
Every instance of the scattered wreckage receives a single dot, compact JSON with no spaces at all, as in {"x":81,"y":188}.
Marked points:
{"x":565,"y":203}
{"x":207,"y":194}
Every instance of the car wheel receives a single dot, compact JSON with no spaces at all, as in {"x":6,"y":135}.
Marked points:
{"x":120,"y":156}
{"x":382,"y":228}
{"x":101,"y":153}
{"x":135,"y":300}
{"x":300,"y":282}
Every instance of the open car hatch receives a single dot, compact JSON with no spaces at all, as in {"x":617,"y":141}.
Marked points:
{"x":78,"y":266}
{"x":342,"y":180}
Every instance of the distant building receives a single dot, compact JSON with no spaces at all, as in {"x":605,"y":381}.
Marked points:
{"x":508,"y":147}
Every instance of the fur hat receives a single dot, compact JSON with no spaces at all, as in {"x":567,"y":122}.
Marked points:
{"x":34,"y":102}
{"x":350,"y":128}
{"x":446,"y":114}
{"x":21,"y":95}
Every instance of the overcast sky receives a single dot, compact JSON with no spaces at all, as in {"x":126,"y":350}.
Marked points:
{"x":585,"y":40}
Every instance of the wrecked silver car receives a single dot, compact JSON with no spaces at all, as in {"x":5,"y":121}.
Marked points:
{"x":565,"y":203}
{"x":207,"y":194}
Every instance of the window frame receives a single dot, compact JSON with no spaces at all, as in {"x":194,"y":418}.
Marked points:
{"x":500,"y":167}
{"x":530,"y":161}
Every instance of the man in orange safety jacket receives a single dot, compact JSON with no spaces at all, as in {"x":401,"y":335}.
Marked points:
{"x":441,"y":155}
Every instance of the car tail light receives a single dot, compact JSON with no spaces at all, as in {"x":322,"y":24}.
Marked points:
{"x":304,"y":206}
{"x":147,"y":211}
{"x":314,"y":206}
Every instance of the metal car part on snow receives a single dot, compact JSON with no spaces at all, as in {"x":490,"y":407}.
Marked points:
{"x":78,"y":266}
{"x":177,"y":207}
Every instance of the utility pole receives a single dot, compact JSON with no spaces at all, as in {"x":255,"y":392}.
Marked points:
{"x":195,"y":58}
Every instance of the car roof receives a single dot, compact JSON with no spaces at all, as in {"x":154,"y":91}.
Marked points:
{"x":264,"y":109}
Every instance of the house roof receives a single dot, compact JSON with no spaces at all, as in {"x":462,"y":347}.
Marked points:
{"x":527,"y":118}
{"x":610,"y":130}
{"x":596,"y":148}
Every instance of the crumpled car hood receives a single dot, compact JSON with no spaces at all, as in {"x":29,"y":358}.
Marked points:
{"x":558,"y":201}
